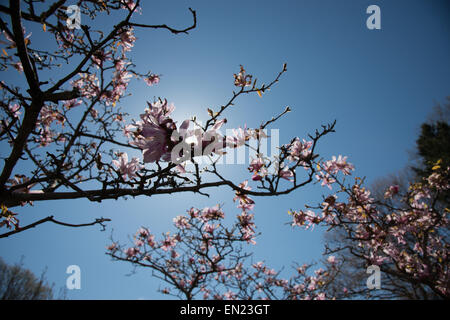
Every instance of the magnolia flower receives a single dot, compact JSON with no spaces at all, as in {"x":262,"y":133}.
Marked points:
{"x":238,"y":139}
{"x":120,"y":64}
{"x":299,"y":150}
{"x":132,"y":252}
{"x":246,"y":221}
{"x":241,"y":79}
{"x":286,"y":173}
{"x":258,"y":169}
{"x":151,"y":240}
{"x":143,"y":233}
{"x":331,"y":260}
{"x":245,"y":202}
{"x":181,"y":222}
{"x":256,"y":164}
{"x":326,"y":179}
{"x":155,"y":133}
{"x":127,"y":39}
{"x":14,"y":109}
{"x":127,"y":168}
{"x":100,"y":56}
{"x":301,"y":217}
{"x":152,"y":79}
{"x":168,"y":242}
{"x":87,"y":85}
{"x":338,"y":164}
{"x":209,"y":228}
{"x":212,"y":213}
{"x":69,"y":104}
{"x":128,"y":4}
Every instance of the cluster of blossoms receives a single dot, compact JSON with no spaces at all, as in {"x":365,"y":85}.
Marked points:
{"x":300,"y":151}
{"x":127,"y":168}
{"x":127,"y":38}
{"x":259,"y":169}
{"x":87,"y":85}
{"x":199,"y":230}
{"x":160,"y":139}
{"x":297,"y":153}
{"x":329,"y":169}
{"x":410,"y":239}
{"x":47,"y":116}
{"x":99,"y":79}
{"x":205,"y":258}
{"x":242,"y":79}
{"x":246,"y":204}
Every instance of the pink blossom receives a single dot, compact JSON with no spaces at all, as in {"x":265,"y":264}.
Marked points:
{"x":100,"y":56}
{"x":143,"y":233}
{"x":15,"y":110}
{"x":212,"y":213}
{"x":286,"y":173}
{"x":238,"y":139}
{"x":331,"y":260}
{"x":127,"y":130}
{"x":245,"y":202}
{"x":152,"y":79}
{"x":209,"y":228}
{"x":127,"y":39}
{"x":128,"y":4}
{"x":181,"y":222}
{"x":299,"y":150}
{"x":242,"y":79}
{"x":168,"y":242}
{"x":69,"y":104}
{"x":301,"y":217}
{"x":338,"y":164}
{"x":127,"y":168}
{"x":154,"y":132}
{"x":246,"y":221}
{"x":258,"y":168}
{"x":132,"y":252}
{"x":87,"y":84}
{"x":326,"y":179}
{"x":151,"y":240}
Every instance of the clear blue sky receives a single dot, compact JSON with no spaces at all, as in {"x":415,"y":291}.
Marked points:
{"x":379,"y":85}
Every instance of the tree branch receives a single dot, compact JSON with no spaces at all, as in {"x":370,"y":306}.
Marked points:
{"x":99,"y":221}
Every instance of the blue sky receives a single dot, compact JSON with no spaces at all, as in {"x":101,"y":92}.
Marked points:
{"x":378,"y":84}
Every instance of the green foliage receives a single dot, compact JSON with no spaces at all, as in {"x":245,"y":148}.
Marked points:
{"x":433,"y":145}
